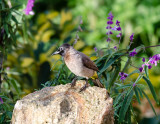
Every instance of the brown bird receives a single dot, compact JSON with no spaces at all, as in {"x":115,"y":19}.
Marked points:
{"x":80,"y":64}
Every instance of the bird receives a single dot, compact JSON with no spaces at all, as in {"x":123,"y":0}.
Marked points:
{"x":79,"y":64}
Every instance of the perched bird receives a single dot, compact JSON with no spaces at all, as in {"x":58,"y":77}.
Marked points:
{"x":79,"y":64}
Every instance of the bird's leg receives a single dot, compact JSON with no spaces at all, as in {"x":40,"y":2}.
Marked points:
{"x":73,"y":83}
{"x":85,"y":86}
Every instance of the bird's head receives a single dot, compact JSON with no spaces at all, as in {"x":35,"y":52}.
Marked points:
{"x":62,"y":49}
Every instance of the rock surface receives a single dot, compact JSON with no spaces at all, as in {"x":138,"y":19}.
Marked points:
{"x":65,"y":105}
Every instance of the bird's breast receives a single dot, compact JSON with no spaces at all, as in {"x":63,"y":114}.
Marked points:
{"x":75,"y":65}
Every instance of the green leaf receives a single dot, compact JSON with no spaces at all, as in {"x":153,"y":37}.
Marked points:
{"x":126,"y":104}
{"x":118,"y":106}
{"x":109,"y":63}
{"x":140,"y":92}
{"x":146,"y":71}
{"x":151,"y":89}
{"x":149,"y":102}
{"x":137,"y":95}
{"x":118,"y":98}
{"x":2,"y":118}
{"x":15,"y":20}
{"x":127,"y":64}
{"x":100,"y":59}
{"x":9,"y":114}
{"x":123,"y":86}
{"x":113,"y":78}
{"x":128,"y":118}
{"x":13,"y":83}
{"x":6,"y":28}
{"x":16,"y":7}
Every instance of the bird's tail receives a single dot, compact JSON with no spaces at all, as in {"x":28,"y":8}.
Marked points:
{"x":97,"y":83}
{"x":96,"y":80}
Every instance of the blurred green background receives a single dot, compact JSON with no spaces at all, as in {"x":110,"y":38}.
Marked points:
{"x":56,"y":21}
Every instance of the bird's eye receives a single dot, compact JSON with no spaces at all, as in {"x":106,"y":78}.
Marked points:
{"x":60,"y":49}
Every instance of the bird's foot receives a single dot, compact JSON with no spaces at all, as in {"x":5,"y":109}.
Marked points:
{"x":84,"y":87}
{"x":73,"y":83}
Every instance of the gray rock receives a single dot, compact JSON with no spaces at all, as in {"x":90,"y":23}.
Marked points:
{"x":65,"y":105}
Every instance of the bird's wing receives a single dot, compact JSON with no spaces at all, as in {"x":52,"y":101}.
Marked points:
{"x":88,"y":62}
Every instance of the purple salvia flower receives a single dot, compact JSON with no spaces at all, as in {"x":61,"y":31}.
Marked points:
{"x":145,"y":64}
{"x":123,"y":76}
{"x":149,"y":66}
{"x":121,"y":73}
{"x":119,"y":35}
{"x":108,"y":39}
{"x":156,"y":57}
{"x":109,"y":32}
{"x":109,"y":22}
{"x":133,"y":53}
{"x":153,"y":61}
{"x":28,"y":9}
{"x":117,"y":23}
{"x":131,"y":37}
{"x":1,"y":100}
{"x":115,"y":28}
{"x":134,"y":84}
{"x":108,"y":27}
{"x":115,"y":47}
{"x":110,"y":16}
{"x":119,"y":28}
{"x":95,"y":49}
{"x":140,"y":69}
{"x":143,"y":59}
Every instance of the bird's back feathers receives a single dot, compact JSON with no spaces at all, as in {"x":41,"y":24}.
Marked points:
{"x":87,"y":62}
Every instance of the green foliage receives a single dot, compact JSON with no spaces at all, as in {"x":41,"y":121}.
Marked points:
{"x":28,"y":44}
{"x":9,"y":87}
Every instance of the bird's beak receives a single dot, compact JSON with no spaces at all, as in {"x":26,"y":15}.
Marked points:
{"x":56,"y":52}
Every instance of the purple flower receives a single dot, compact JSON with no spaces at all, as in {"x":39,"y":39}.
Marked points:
{"x":119,"y":28}
{"x":95,"y":49}
{"x":115,"y":47}
{"x":149,"y":66}
{"x":152,"y":60}
{"x":123,"y":76}
{"x":119,"y":35}
{"x":108,"y":39}
{"x":133,"y":53}
{"x":143,"y":59}
{"x":121,"y":73}
{"x":28,"y":9}
{"x":110,"y":19}
{"x":131,"y":37}
{"x":134,"y":84}
{"x":109,"y":22}
{"x":1,"y":100}
{"x":140,"y":69}
{"x":115,"y":28}
{"x":117,"y":23}
{"x":156,"y":57}
{"x":110,"y":16}
{"x":108,"y":27}
{"x":109,"y":32}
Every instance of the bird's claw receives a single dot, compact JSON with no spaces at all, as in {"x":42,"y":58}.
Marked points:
{"x":73,"y":83}
{"x":84,"y":87}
